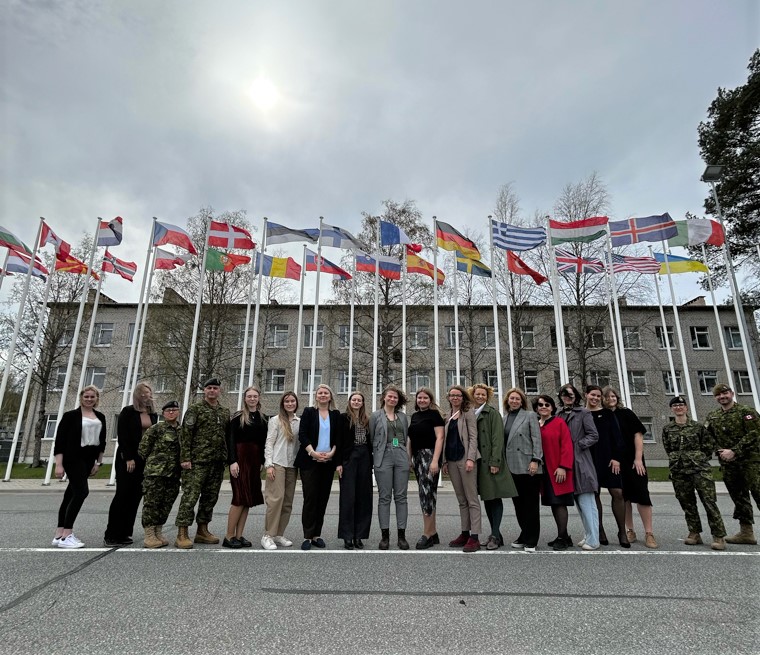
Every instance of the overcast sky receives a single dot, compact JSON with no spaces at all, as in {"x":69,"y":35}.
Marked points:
{"x":144,"y":108}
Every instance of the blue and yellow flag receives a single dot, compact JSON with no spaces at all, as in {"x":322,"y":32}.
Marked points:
{"x":472,"y":266}
{"x":679,"y":264}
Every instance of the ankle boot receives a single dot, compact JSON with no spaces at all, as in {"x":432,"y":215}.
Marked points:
{"x":746,"y":535}
{"x":718,"y":543}
{"x":403,"y":544}
{"x":203,"y":536}
{"x":183,"y":539}
{"x":151,"y":540}
{"x":160,"y":536}
{"x":385,"y":539}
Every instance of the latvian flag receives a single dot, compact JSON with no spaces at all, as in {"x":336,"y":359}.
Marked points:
{"x":110,"y":233}
{"x":112,"y":264}
{"x":449,"y":238}
{"x":223,"y":235}
{"x":583,"y":231}
{"x":568,"y":262}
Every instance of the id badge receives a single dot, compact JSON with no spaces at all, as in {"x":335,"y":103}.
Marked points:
{"x":395,"y":442}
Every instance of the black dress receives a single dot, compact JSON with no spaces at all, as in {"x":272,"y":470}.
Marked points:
{"x":245,"y":446}
{"x":609,"y":446}
{"x":635,"y":486}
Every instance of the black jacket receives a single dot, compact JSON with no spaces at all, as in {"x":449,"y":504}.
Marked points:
{"x":68,"y":434}
{"x":129,"y":432}
{"x":346,"y":442}
{"x":308,"y":433}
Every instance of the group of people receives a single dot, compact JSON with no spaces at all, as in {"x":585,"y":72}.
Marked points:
{"x":552,"y":452}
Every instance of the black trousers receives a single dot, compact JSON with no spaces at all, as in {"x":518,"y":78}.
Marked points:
{"x":77,"y":470}
{"x":355,"y":517}
{"x":316,"y":483}
{"x":527,"y":508}
{"x":126,"y":500}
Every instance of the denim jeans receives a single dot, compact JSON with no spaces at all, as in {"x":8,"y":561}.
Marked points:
{"x":589,"y":516}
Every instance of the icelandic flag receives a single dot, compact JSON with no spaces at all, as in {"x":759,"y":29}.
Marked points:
{"x":110,"y":233}
{"x":390,"y":267}
{"x":516,"y":238}
{"x":644,"y":228}
{"x":165,"y":233}
{"x":325,"y":266}
{"x":391,"y":234}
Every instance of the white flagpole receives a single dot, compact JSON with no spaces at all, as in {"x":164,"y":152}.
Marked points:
{"x":316,"y":317}
{"x":666,"y":336}
{"x":496,"y":335}
{"x":724,"y":351}
{"x":72,"y":353}
{"x":252,"y":369}
{"x":613,"y":330}
{"x":351,"y":330}
{"x":403,"y":322}
{"x":436,"y":363}
{"x":28,"y":381}
{"x":625,"y":387}
{"x":245,"y":328}
{"x":4,"y":274}
{"x":196,"y":321}
{"x":558,"y":322}
{"x":456,"y":322}
{"x":93,"y":318}
{"x":299,"y":329}
{"x":377,"y":319}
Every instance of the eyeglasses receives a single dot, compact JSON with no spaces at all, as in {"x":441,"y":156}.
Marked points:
{"x":543,"y":405}
{"x":678,"y":405}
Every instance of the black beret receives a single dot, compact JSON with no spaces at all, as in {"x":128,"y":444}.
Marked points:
{"x":172,"y":404}
{"x":212,"y":382}
{"x":678,"y":400}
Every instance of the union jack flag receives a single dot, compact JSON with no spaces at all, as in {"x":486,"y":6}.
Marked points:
{"x":567,"y":262}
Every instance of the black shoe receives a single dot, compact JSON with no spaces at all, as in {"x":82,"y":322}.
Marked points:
{"x":114,"y":543}
{"x":244,"y":542}
{"x":232,"y":543}
{"x":603,"y":540}
{"x":623,"y":540}
{"x":403,"y":544}
{"x":318,"y":542}
{"x":562,"y":543}
{"x":348,"y":544}
{"x":128,"y":541}
{"x":424,"y":542}
{"x":436,"y":540}
{"x":385,"y":539}
{"x":358,"y":544}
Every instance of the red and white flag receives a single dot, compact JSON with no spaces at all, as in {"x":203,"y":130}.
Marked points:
{"x":166,"y":233}
{"x":48,"y":236}
{"x":112,"y":264}
{"x":168,"y":261}
{"x":519,"y":267}
{"x":224,"y":235}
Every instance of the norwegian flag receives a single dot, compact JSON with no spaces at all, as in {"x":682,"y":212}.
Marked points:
{"x":112,"y":264}
{"x":567,"y":262}
{"x":48,"y":236}
{"x":224,"y":235}
{"x":622,"y":264}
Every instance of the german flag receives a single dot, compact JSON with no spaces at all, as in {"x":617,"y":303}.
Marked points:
{"x":450,"y":239}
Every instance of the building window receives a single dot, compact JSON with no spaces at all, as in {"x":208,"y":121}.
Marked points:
{"x":275,"y":380}
{"x":530,"y":381}
{"x":418,"y":337}
{"x":67,"y":337}
{"x":123,"y":380}
{"x":667,"y":382}
{"x":306,"y":376}
{"x":307,"y":332}
{"x":450,"y":337}
{"x":488,"y":336}
{"x":96,"y":376}
{"x":451,"y":378}
{"x":240,"y":334}
{"x":103,"y":334}
{"x":631,"y":337}
{"x":596,"y":338}
{"x":384,"y":378}
{"x":671,"y":343}
{"x":163,"y":384}
{"x":601,"y":378}
{"x":649,"y":432}
{"x":418,"y":379}
{"x":637,"y":381}
{"x":490,"y":378}
{"x":239,"y":383}
{"x":558,"y":383}
{"x":51,"y":421}
{"x":277,"y":336}
{"x":700,"y":337}
{"x":344,"y":335}
{"x":341,"y":381}
{"x":130,"y":334}
{"x":528,"y":336}
{"x":707,"y":380}
{"x":57,"y":378}
{"x":742,"y":383}
{"x":733,"y":337}
{"x":553,"y":335}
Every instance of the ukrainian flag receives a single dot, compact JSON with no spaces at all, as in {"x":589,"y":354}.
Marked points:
{"x":679,"y":264}
{"x":472,"y":266}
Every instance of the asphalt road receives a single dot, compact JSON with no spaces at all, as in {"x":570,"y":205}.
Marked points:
{"x":676,"y":599}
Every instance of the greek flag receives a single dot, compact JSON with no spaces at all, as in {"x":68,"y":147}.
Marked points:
{"x":512,"y":237}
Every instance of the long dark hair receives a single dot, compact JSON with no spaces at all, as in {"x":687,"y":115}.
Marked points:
{"x":357,"y":418}
{"x":577,"y":395}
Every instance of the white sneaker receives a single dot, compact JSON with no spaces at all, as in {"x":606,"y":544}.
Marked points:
{"x":529,"y":549}
{"x":55,"y":541}
{"x":517,"y":544}
{"x":589,"y":547}
{"x":77,"y":539}
{"x":70,"y":542}
{"x":581,"y":543}
{"x":282,"y":542}
{"x":268,"y":543}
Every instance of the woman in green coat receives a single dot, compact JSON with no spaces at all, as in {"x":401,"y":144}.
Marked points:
{"x":494,"y":479}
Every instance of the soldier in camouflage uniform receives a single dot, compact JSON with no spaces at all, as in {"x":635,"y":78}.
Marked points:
{"x":736,"y":431}
{"x":689,"y":447}
{"x":203,"y":454}
{"x":159,"y":448}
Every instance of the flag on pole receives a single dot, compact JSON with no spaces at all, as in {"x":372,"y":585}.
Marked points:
{"x":390,"y":267}
{"x":516,"y":238}
{"x":472,"y":266}
{"x":112,"y":264}
{"x":48,"y":236}
{"x":216,"y":260}
{"x":110,"y":233}
{"x":643,"y":228}
{"x":519,"y":267}
{"x":223,"y":235}
{"x":18,"y":262}
{"x":7,"y":273}
{"x":278,"y":267}
{"x":449,"y":238}
{"x":70,"y":264}
{"x":679,"y":264}
{"x":415,"y":264}
{"x":326,"y":266}
{"x":168,"y":261}
{"x":277,"y":234}
{"x":391,"y":234}
{"x":646,"y":265}
{"x":335,"y":237}
{"x":166,"y":233}
{"x":567,"y":262}
{"x":12,"y":242}
{"x":585,"y":230}
{"x":695,"y":231}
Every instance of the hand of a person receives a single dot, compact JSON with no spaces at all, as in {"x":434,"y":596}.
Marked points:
{"x":639,"y":466}
{"x":186,"y":465}
{"x":469,"y":466}
{"x":494,"y":470}
{"x":94,"y":470}
{"x":559,"y":475}
{"x":234,"y":469}
{"x":434,"y":468}
{"x":614,"y":466}
{"x":727,"y":455}
{"x":339,"y":469}
{"x":130,"y":465}
{"x":59,"y":472}
{"x":270,"y":473}
{"x":532,"y":468}
{"x":445,"y":469}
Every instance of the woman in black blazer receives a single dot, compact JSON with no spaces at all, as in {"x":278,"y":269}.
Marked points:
{"x":319,"y":435}
{"x":80,"y":441}
{"x":134,"y":420}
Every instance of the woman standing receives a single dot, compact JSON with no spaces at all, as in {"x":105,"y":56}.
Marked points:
{"x":80,"y":441}
{"x":388,"y":430}
{"x":460,"y":458}
{"x":584,"y":434}
{"x":557,"y":482}
{"x":494,"y":479}
{"x":279,"y":458}
{"x":607,"y":453}
{"x":134,"y":420}
{"x":424,"y":447}
{"x":632,"y":468}
{"x":319,"y":436}
{"x":524,"y":455}
{"x":246,"y":436}
{"x":355,"y":472}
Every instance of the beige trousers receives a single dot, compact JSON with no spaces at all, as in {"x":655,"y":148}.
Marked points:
{"x":278,"y":496}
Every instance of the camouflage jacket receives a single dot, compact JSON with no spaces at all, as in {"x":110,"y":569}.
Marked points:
{"x":689,"y":446}
{"x":203,"y":440}
{"x":159,"y":447}
{"x":737,"y":429}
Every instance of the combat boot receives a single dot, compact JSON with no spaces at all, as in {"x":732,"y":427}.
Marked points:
{"x":693,"y":539}
{"x":183,"y":539}
{"x":203,"y":536}
{"x":385,"y":539}
{"x":164,"y":540}
{"x":746,"y":536}
{"x":151,"y":540}
{"x":718,"y":543}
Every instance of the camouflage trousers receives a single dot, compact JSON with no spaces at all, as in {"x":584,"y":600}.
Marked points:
{"x":685,"y":485}
{"x":742,"y":479}
{"x":159,"y":496}
{"x":200,"y":485}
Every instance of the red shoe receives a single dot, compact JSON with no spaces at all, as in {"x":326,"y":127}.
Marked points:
{"x":460,"y":541}
{"x":471,"y":546}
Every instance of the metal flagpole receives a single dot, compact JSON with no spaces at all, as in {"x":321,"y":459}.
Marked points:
{"x":4,"y":273}
{"x":436,"y":340}
{"x":456,"y":322}
{"x":351,"y":331}
{"x":626,"y":387}
{"x":724,"y":351}
{"x":559,"y":325}
{"x":316,"y":317}
{"x":377,"y":319}
{"x":666,"y":336}
{"x":245,"y":328}
{"x":255,"y":340}
{"x":403,"y":322}
{"x":299,"y":329}
{"x":88,"y":342}
{"x":613,"y":330}
{"x":496,"y":335}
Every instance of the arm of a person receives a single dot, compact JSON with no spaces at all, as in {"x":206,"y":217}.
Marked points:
{"x":566,"y":452}
{"x":272,"y":433}
{"x":472,"y":439}
{"x":229,"y":437}
{"x":638,"y":457}
{"x":146,"y":443}
{"x":535,"y":437}
{"x":751,"y":436}
{"x":187,"y":438}
{"x":434,"y":466}
{"x":103,"y":434}
{"x":124,"y":430}
{"x":667,"y":441}
{"x":590,"y":434}
{"x":706,"y":442}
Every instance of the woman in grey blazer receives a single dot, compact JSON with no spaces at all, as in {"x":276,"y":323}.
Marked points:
{"x":388,"y":429}
{"x":522,"y":435}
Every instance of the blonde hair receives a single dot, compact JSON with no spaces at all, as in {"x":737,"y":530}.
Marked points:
{"x":607,"y":391}
{"x":245,"y":413}
{"x":284,"y":417}
{"x":401,"y":395}
{"x":429,"y":394}
{"x":331,"y":404}
{"x":90,"y":387}
{"x":520,"y":393}
{"x":137,"y":402}
{"x":357,"y":418}
{"x":485,"y":387}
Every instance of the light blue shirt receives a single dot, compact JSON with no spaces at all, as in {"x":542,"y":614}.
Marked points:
{"x":323,"y":444}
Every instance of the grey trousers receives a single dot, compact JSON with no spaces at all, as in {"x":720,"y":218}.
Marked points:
{"x":392,"y":478}
{"x":466,"y":489}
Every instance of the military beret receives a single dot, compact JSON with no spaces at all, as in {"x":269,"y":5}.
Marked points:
{"x":678,"y":400}
{"x":212,"y":382}
{"x":720,"y":388}
{"x":172,"y":404}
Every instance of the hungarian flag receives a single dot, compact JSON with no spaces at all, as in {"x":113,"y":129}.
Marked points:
{"x":110,"y":232}
{"x":568,"y":262}
{"x":70,"y":264}
{"x":679,"y":264}
{"x":326,"y":266}
{"x":12,"y":242}
{"x":583,"y":231}
{"x":168,"y":261}
{"x":166,"y":233}
{"x":18,"y":262}
{"x":223,"y":235}
{"x":519,"y":267}
{"x":112,"y":264}
{"x":223,"y":261}
{"x":696,"y":231}
{"x":286,"y":267}
{"x":48,"y":236}
{"x":450,"y":239}
{"x":415,"y":264}
{"x":472,"y":266}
